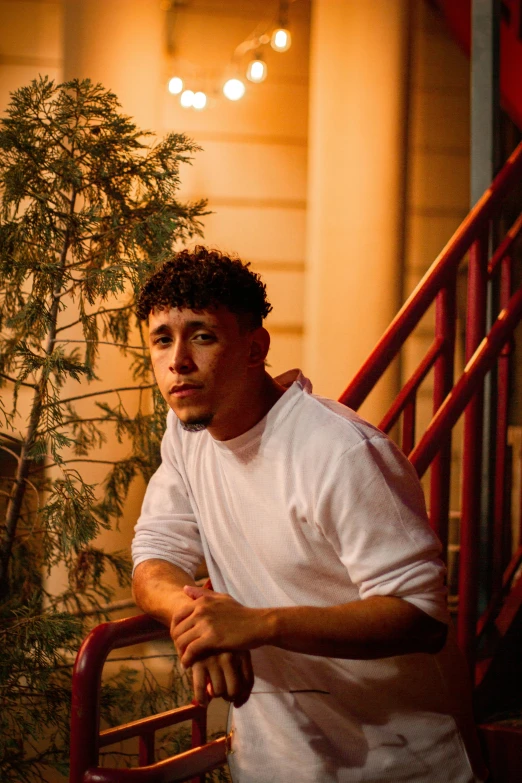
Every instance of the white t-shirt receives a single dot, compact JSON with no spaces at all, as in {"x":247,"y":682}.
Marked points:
{"x":314,"y":507}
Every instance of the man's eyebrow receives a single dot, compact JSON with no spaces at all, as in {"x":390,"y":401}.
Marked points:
{"x":161,"y":329}
{"x":195,"y":324}
{"x":198,"y":324}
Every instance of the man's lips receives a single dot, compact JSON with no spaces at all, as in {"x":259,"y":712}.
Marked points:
{"x":184,"y":390}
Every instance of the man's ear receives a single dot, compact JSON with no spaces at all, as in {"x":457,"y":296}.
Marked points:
{"x":259,"y":345}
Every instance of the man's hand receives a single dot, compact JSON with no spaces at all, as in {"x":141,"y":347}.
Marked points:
{"x":160,"y":589}
{"x":215,"y":623}
{"x":228,"y":675}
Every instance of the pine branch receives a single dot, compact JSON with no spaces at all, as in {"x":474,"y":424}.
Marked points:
{"x":93,"y":419}
{"x":15,"y":504}
{"x":113,"y":606}
{"x":16,"y":380}
{"x":106,"y":342}
{"x":12,"y":453}
{"x":4,"y":434}
{"x":69,"y":461}
{"x":100,"y":312}
{"x":96,"y":394}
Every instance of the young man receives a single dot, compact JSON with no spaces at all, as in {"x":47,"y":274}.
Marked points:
{"x":327,"y":624}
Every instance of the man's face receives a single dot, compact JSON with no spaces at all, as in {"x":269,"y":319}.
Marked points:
{"x":201,"y":361}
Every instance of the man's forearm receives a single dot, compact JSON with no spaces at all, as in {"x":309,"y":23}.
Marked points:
{"x":376,"y":627}
{"x":157,"y":587}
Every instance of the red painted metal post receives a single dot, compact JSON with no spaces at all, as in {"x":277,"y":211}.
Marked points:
{"x":146,"y":749}
{"x":85,"y":703}
{"x":445,"y":317}
{"x":472,"y":456}
{"x":474,"y":373}
{"x":500,"y":504}
{"x":408,"y":425}
{"x":199,"y":735}
{"x":86,"y":682}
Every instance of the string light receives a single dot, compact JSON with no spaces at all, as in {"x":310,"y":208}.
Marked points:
{"x":187,"y":99}
{"x":281,"y":39}
{"x":233,"y":89}
{"x":175,"y":85}
{"x":199,"y":100}
{"x":256,"y":71}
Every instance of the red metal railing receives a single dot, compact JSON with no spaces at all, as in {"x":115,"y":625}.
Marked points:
{"x":86,"y":738}
{"x":464,"y":397}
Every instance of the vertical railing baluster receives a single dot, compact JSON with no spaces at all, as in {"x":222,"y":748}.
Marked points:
{"x":199,"y":735}
{"x":146,"y":749}
{"x":472,"y":455}
{"x":445,"y":317}
{"x":500,"y":500}
{"x":408,"y":425}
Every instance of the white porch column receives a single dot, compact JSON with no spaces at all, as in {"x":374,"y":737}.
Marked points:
{"x":357,"y":129}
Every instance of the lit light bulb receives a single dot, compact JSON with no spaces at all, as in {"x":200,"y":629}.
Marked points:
{"x":256,"y":71}
{"x":199,"y":100}
{"x":175,"y":85}
{"x":187,"y":99}
{"x":281,"y":39}
{"x":234,"y":89}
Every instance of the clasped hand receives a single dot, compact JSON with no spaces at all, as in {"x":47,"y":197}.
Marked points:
{"x":213,"y":634}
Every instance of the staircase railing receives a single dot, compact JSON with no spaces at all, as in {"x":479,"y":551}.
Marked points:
{"x":87,"y":739}
{"x":465,"y":396}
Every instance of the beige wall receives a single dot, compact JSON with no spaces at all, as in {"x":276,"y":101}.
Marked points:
{"x":265,"y":184}
{"x":30,"y":43}
{"x":253,"y":168}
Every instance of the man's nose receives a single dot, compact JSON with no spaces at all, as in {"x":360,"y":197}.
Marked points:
{"x":181,"y":360}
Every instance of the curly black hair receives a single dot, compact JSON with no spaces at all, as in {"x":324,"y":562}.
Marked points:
{"x":204,"y":279}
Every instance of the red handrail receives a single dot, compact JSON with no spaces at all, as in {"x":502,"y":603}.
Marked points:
{"x":86,"y":738}
{"x":433,"y":282}
{"x":465,"y":397}
{"x":475,"y":371}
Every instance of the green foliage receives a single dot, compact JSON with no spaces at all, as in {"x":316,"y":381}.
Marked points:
{"x":88,"y":208}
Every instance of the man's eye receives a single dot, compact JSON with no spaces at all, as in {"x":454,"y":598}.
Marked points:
{"x":163,"y":340}
{"x":203,"y":337}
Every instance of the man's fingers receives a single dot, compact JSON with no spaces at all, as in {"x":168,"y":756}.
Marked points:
{"x":228,"y":675}
{"x":247,"y":669}
{"x":199,"y":683}
{"x":217,"y":678}
{"x":246,"y":678}
{"x":196,"y":592}
{"x":182,"y":613}
{"x":194,"y":651}
{"x":181,"y":628}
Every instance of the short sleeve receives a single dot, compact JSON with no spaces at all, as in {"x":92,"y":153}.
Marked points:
{"x":167,"y":528}
{"x":371,"y":508}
